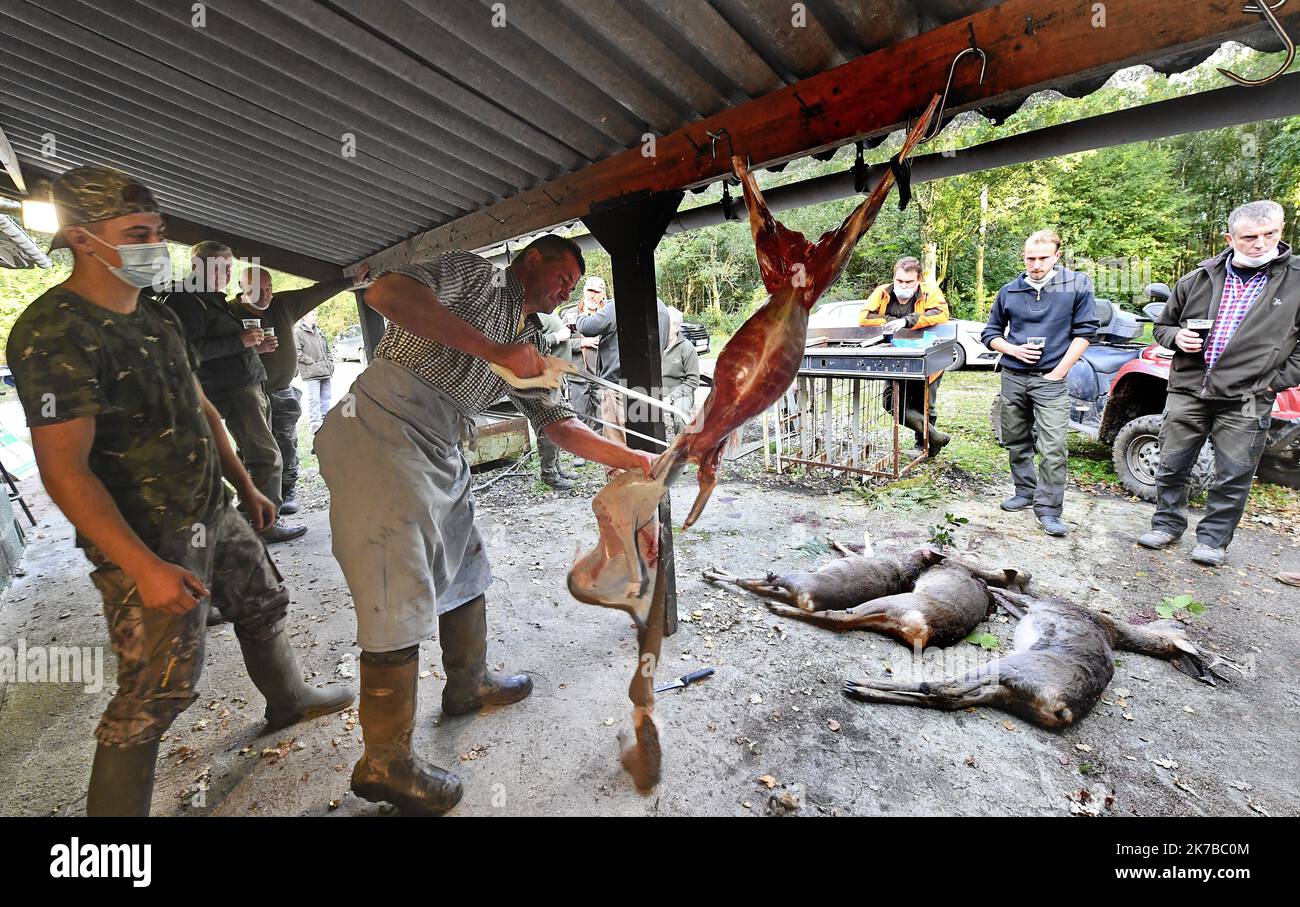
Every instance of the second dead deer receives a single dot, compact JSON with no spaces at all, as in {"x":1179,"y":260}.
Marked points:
{"x":1064,"y":658}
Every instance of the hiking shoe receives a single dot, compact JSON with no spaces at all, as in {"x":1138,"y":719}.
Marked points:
{"x":1018,"y":502}
{"x":1209,"y":556}
{"x":1053,"y":525}
{"x":289,"y":506}
{"x":557,"y":481}
{"x":1291,"y":579}
{"x":1155,"y":539}
{"x":281,"y":531}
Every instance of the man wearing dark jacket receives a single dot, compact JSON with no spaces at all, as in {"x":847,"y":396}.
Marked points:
{"x":278,"y":313}
{"x":1223,"y":381}
{"x":231,"y":371}
{"x":603,"y":325}
{"x":1040,"y":323}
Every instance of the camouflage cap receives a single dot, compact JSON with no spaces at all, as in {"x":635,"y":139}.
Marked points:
{"x":86,"y":195}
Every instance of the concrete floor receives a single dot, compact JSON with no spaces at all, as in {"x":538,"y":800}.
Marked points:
{"x":772,"y":715}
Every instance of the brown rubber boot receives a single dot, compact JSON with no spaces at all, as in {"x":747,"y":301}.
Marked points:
{"x":470,"y":685}
{"x":389,"y":770}
{"x":275,"y":673}
{"x":121,"y":780}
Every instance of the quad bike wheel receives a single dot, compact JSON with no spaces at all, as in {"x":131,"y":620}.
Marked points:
{"x":1136,"y":455}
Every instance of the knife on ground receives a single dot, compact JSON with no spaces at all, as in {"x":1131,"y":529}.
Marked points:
{"x":684,"y":680}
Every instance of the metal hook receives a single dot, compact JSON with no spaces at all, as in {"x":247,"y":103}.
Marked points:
{"x":937,"y":123}
{"x":731,"y":149}
{"x":1266,"y":11}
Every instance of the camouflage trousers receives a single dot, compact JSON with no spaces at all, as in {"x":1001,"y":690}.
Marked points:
{"x":160,"y":655}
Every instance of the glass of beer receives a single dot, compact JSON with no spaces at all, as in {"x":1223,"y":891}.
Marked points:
{"x":250,"y":323}
{"x":268,"y":332}
{"x":1202,"y":327}
{"x":1036,"y":342}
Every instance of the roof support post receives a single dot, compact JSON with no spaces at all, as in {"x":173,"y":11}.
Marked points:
{"x":629,"y":232}
{"x":372,"y":325}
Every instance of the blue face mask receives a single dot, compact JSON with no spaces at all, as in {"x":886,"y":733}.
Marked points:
{"x":143,"y":264}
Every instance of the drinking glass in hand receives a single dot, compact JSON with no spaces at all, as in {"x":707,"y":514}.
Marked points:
{"x":1202,"y":327}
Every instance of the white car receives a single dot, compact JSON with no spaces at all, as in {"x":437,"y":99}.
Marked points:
{"x":843,"y":313}
{"x":348,"y":345}
{"x":970,"y":352}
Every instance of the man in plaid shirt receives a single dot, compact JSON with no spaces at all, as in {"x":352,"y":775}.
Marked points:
{"x":1223,"y":389}
{"x":401,"y":508}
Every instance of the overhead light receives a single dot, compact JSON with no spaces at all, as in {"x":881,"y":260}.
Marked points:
{"x":40,"y":217}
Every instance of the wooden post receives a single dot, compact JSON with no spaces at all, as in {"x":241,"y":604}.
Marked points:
{"x":629,"y":232}
{"x":372,"y":325}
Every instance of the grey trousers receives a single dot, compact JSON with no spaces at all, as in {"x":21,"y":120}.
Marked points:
{"x":286,"y":410}
{"x":247,"y":414}
{"x":1032,"y":402}
{"x":1239,"y":434}
{"x":585,"y":400}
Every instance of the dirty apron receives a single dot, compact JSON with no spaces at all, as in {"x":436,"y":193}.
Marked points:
{"x":401,"y":513}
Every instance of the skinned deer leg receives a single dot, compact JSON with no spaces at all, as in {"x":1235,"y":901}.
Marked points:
{"x":708,"y":480}
{"x":642,"y":754}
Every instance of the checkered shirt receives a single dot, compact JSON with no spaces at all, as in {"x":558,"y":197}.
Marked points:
{"x":492,"y":300}
{"x":1238,"y":296}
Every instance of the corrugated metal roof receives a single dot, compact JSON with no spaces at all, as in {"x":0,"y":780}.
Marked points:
{"x":245,"y":120}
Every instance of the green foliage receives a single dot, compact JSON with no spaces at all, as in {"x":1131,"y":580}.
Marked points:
{"x":1180,"y":605}
{"x":942,"y":533}
{"x":986,"y":641}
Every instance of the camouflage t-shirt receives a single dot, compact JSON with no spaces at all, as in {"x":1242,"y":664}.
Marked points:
{"x":134,"y":374}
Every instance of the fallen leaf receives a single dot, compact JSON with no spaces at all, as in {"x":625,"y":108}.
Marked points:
{"x":767,"y":781}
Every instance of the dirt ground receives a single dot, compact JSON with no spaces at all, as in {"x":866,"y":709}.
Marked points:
{"x":771,"y":730}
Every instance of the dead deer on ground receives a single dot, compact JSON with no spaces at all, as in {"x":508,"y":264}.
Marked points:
{"x":1064,"y":658}
{"x":928,"y":598}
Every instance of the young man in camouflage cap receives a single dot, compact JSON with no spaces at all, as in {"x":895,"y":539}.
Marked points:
{"x":133,"y":454}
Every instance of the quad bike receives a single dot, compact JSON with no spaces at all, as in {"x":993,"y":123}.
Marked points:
{"x":1117,"y":396}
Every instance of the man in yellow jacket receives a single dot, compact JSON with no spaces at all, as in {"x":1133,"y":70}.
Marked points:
{"x":907,"y":303}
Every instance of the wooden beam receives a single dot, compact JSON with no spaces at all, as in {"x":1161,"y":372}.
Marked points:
{"x":1031,"y":45}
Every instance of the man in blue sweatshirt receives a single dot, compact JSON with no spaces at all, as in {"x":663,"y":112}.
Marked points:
{"x":1040,"y":323}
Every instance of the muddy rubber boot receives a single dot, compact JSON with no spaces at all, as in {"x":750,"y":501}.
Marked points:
{"x":276,"y":674}
{"x":470,"y":685}
{"x":916,"y":422}
{"x":121,"y":780}
{"x":388,"y":770}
